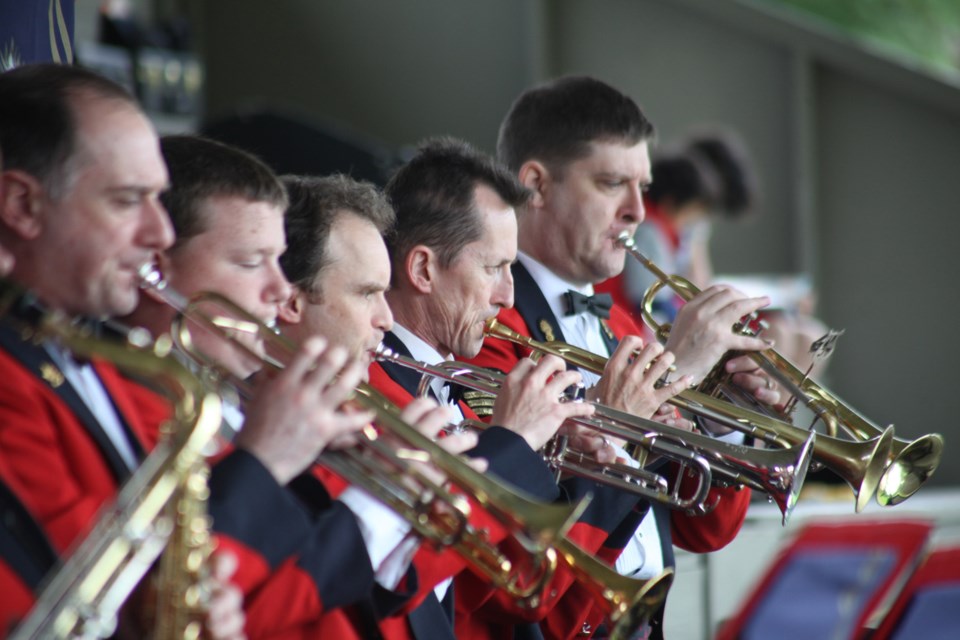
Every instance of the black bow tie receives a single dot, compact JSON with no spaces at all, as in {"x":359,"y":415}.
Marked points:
{"x":599,"y":304}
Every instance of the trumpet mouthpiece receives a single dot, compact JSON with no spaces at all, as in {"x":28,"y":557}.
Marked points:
{"x":150,"y":276}
{"x":625,"y":240}
{"x":383,"y":351}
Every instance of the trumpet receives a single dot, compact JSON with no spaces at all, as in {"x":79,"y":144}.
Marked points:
{"x":431,"y":509}
{"x":83,"y":597}
{"x":858,"y":463}
{"x":908,"y":465}
{"x":778,"y":473}
{"x":628,"y":603}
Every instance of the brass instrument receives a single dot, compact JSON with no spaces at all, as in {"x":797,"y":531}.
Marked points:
{"x":387,"y":473}
{"x":909,"y":463}
{"x":858,"y":463}
{"x":83,"y":597}
{"x":183,"y":585}
{"x":628,"y":603}
{"x":537,"y":527}
{"x":778,"y":473}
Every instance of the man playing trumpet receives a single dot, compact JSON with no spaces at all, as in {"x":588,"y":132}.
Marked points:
{"x":452,"y":251}
{"x":79,"y":214}
{"x":341,"y":273}
{"x":227,"y":209}
{"x":581,"y":148}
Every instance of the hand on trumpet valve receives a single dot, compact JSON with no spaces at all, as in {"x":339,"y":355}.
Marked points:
{"x":751,"y":378}
{"x":633,"y":378}
{"x":429,"y":418}
{"x":589,"y":442}
{"x":297,"y":412}
{"x":530,"y":401}
{"x":703,"y":330}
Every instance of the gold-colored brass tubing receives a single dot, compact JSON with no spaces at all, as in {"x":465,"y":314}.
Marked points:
{"x":860,"y":464}
{"x":779,"y":473}
{"x":83,"y":597}
{"x":909,"y":463}
{"x":535,"y":525}
{"x":627,"y":602}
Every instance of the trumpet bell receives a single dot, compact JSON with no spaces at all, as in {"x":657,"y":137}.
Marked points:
{"x":860,"y":463}
{"x":630,"y":616}
{"x":911,"y":464}
{"x":907,"y":465}
{"x":628,"y":603}
{"x":791,"y":478}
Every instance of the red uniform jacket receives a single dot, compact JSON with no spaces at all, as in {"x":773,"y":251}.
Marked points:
{"x":64,"y":468}
{"x":302,"y":554}
{"x":511,"y":460}
{"x":533,"y":317}
{"x":25,"y":559}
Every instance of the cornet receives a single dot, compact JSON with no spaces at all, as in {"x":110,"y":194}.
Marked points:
{"x":908,"y":464}
{"x":778,"y":473}
{"x":628,"y":603}
{"x":430,"y":508}
{"x":859,"y":463}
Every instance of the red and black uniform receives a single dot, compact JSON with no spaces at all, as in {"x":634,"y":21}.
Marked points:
{"x":295,"y":562}
{"x":56,"y":452}
{"x":25,"y":559}
{"x":532,"y":316}
{"x":511,"y":461}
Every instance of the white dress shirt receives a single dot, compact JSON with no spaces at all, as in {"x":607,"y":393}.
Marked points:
{"x":85,"y":381}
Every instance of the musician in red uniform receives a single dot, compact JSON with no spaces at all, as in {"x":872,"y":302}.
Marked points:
{"x":82,"y":168}
{"x":340,"y":270}
{"x":451,"y":250}
{"x":227,"y":209}
{"x":81,"y":215}
{"x":581,"y":148}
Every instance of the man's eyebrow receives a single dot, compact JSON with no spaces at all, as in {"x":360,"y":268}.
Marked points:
{"x":611,"y":174}
{"x":129,"y":188}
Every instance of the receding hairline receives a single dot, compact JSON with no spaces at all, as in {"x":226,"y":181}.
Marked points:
{"x":85,"y":104}
{"x":344,"y":215}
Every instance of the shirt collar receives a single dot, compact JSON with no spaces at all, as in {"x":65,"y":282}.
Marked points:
{"x":551,"y":285}
{"x":419,"y":349}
